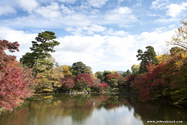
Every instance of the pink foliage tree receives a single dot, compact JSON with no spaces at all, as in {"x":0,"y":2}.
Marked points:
{"x":14,"y":80}
{"x":85,"y":76}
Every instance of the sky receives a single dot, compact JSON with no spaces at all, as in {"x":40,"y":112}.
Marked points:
{"x":103,"y":34}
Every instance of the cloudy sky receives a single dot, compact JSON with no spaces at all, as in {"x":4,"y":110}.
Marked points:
{"x":103,"y":34}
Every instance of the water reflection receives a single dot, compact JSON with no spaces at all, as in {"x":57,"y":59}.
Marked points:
{"x":62,"y":109}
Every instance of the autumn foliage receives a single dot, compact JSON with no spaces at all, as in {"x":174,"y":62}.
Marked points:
{"x":149,"y":83}
{"x":167,"y":80}
{"x":67,"y":82}
{"x":82,"y":82}
{"x":86,"y":77}
{"x":14,"y":80}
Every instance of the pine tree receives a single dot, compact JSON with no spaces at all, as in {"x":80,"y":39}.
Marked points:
{"x":148,"y":56}
{"x":44,"y":44}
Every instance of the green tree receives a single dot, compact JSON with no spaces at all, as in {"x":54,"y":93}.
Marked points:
{"x":113,"y":83}
{"x":126,"y":73}
{"x":174,"y":50}
{"x":148,"y":56}
{"x":99,"y":75}
{"x":40,"y":51}
{"x":135,"y":69}
{"x":79,"y":68}
{"x":106,"y":73}
{"x":89,"y":71}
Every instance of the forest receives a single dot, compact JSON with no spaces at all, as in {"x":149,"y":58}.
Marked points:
{"x":161,"y":78}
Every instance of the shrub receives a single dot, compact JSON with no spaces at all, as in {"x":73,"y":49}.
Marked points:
{"x":113,"y":83}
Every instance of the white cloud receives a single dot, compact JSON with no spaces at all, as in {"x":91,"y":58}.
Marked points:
{"x":87,"y":49}
{"x":28,"y":5}
{"x":175,"y":9}
{"x":158,"y":4}
{"x":121,"y":10}
{"x":150,"y":14}
{"x":111,"y":32}
{"x":7,"y":9}
{"x":171,"y":26}
{"x":120,"y":16}
{"x":139,"y":3}
{"x":66,"y":10}
{"x":51,"y":11}
{"x":24,"y":39}
{"x":76,"y":20}
{"x":99,"y":52}
{"x":164,"y":20}
{"x":68,"y":1}
{"x":72,"y":19}
{"x":97,"y":3}
{"x":94,"y":28}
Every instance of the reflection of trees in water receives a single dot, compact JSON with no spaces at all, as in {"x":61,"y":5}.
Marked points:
{"x":47,"y":109}
{"x":78,"y":107}
{"x":15,"y":119}
{"x":109,"y":102}
{"x":154,"y":112}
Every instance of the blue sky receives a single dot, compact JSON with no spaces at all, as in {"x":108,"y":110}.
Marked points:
{"x":103,"y":34}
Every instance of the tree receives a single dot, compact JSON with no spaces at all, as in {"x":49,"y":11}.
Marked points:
{"x":129,"y":81}
{"x":151,"y":83}
{"x":70,"y":69}
{"x":163,"y":58}
{"x":113,"y":72}
{"x":67,"y":82}
{"x":4,"y":58}
{"x":116,"y":76}
{"x":14,"y":80}
{"x":148,"y":56}
{"x":85,"y":76}
{"x":44,"y":44}
{"x":79,"y":68}
{"x":105,"y":73}
{"x":113,"y":83}
{"x":180,"y":37}
{"x":99,"y":75}
{"x":175,"y":50}
{"x":128,"y":72}
{"x":89,"y":71}
{"x":66,"y":70}
{"x":121,"y":80}
{"x":109,"y":77}
{"x":50,"y":78}
{"x":135,"y":69}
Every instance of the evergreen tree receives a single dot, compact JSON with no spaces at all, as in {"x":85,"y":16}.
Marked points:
{"x":126,"y":73}
{"x":148,"y":56}
{"x":40,"y":51}
{"x":79,"y":68}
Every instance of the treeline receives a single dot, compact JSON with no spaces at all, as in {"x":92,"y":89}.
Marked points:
{"x":162,"y":78}
{"x":38,"y":71}
{"x":158,"y":77}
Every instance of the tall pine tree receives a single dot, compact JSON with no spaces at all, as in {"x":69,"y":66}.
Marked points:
{"x":44,"y":44}
{"x":148,"y":56}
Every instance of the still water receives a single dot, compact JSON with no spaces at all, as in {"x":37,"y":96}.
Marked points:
{"x":95,"y":109}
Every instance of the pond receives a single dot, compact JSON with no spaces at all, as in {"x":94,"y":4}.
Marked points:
{"x":92,"y":109}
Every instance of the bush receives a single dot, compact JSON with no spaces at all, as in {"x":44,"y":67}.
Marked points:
{"x":113,"y":83}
